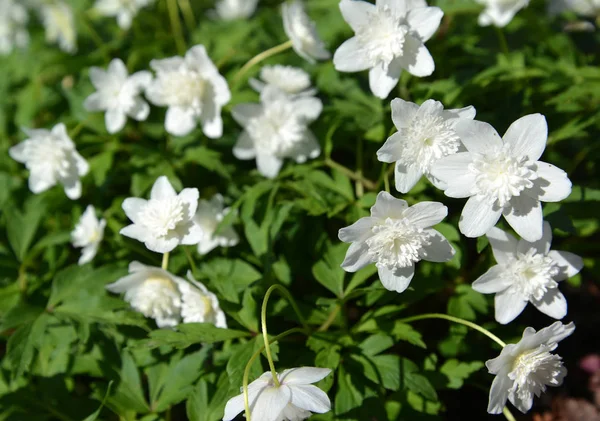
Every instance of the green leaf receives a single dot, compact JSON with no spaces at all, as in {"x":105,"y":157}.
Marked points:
{"x":405,"y":332}
{"x":21,"y":227}
{"x":230,"y":277}
{"x":190,"y":334}
{"x":347,"y":396}
{"x":466,"y":302}
{"x":418,"y":383}
{"x":328,"y":271}
{"x":376,"y":344}
{"x":22,"y":343}
{"x":94,"y":416}
{"x":129,"y":394}
{"x":238,"y":361}
{"x":457,"y":372}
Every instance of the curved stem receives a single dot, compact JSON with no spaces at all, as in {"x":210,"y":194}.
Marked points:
{"x":283,"y":291}
{"x":260,"y":57}
{"x":508,"y":415}
{"x":165,"y":261}
{"x":263,"y":322}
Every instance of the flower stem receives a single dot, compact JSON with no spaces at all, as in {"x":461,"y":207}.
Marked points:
{"x":260,"y":57}
{"x":165,"y":261}
{"x":332,"y":316}
{"x":188,"y":14}
{"x":352,"y":174}
{"x":502,"y":40}
{"x":508,"y":415}
{"x":176,"y":26}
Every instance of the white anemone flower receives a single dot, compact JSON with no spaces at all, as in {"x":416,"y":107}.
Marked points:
{"x":13,"y":26}
{"x":118,"y":94}
{"x":302,"y":32}
{"x":51,"y":158}
{"x":395,"y":237}
{"x":425,"y":134}
{"x":235,"y":9}
{"x":88,"y":234}
{"x":164,"y":221}
{"x":499,"y":12}
{"x":502,"y":176}
{"x":209,"y":215}
{"x":59,"y":22}
{"x":123,"y":10}
{"x":192,"y":89}
{"x":289,"y":79}
{"x":389,"y":37}
{"x":294,"y":400}
{"x":525,"y":369}
{"x":527,"y":272}
{"x":277,"y":129}
{"x":199,"y":305}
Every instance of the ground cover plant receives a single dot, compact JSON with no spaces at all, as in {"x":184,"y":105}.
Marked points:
{"x":342,"y":210}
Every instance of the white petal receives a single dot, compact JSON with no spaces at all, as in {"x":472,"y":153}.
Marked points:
{"x":552,"y":334}
{"x":552,"y":304}
{"x":478,"y":217}
{"x":527,"y":136}
{"x":397,"y":280}
{"x":466,"y":112}
{"x":190,"y":196}
{"x":477,"y":136}
{"x":207,"y":245}
{"x":439,"y":250}
{"x":304,"y":375}
{"x":508,"y":306}
{"x":382,"y":80}
{"x":132,"y":207}
{"x":504,"y":245}
{"x":244,"y":148}
{"x":192,"y":236}
{"x":350,"y":57}
{"x":453,"y":171}
{"x":492,"y":281}
{"x":425,"y":21}
{"x":552,"y":184}
{"x":416,"y":59}
{"x":499,"y":394}
{"x":310,"y":398}
{"x":115,"y":120}
{"x":243,"y":113}
{"x":307,"y":147}
{"x":39,"y":183}
{"x":405,"y":178}
{"x":117,"y":69}
{"x":356,"y":12}
{"x":212,"y":123}
{"x":403,"y":112}
{"x":426,"y":214}
{"x":308,"y":108}
{"x":72,"y":188}
{"x":522,"y":404}
{"x":162,"y":189}
{"x":17,"y":152}
{"x":270,"y":402}
{"x":99,"y":77}
{"x":541,"y":246}
{"x":387,"y":206}
{"x":161,"y":245}
{"x":391,"y":150}
{"x":141,"y":79}
{"x":180,"y":121}
{"x":139,"y":110}
{"x":357,"y":257}
{"x":87,"y":254}
{"x":570,"y":264}
{"x":95,"y":102}
{"x":137,"y":232}
{"x":524,"y":215}
{"x":126,"y":283}
{"x":268,"y":165}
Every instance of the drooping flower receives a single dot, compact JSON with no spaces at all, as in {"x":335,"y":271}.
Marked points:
{"x":425,"y":134}
{"x":59,"y":22}
{"x":51,"y":158}
{"x":395,"y":237}
{"x":277,"y":129}
{"x":502,"y":176}
{"x":13,"y":26}
{"x":235,"y":9}
{"x":164,"y":221}
{"x":389,"y":37}
{"x":118,"y":94}
{"x":499,"y":12}
{"x":123,"y":10}
{"x":199,"y":305}
{"x":88,"y":234}
{"x":209,"y":215}
{"x":294,"y":400}
{"x":527,"y":272}
{"x":192,"y":89}
{"x":525,"y":369}
{"x":301,"y":30}
{"x":289,"y":79}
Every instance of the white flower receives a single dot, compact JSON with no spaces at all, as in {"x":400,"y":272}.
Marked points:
{"x":526,"y":368}
{"x":293,"y":400}
{"x":13,"y":26}
{"x":164,"y":221}
{"x":302,"y":32}
{"x":123,"y":10}
{"x":502,"y":176}
{"x":390,"y":36}
{"x":199,"y":305}
{"x":209,"y":215}
{"x":527,"y":272}
{"x":118,"y":94}
{"x":88,"y":233}
{"x":395,"y":237}
{"x":425,"y":134}
{"x":235,"y":9}
{"x":499,"y":12}
{"x":276,"y":129}
{"x":51,"y":158}
{"x":60,"y":25}
{"x":588,"y":8}
{"x":193,"y":89}
{"x":289,"y":79}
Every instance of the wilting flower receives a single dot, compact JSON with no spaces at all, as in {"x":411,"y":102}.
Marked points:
{"x":164,"y":221}
{"x":235,"y":9}
{"x":525,"y":369}
{"x":123,"y":10}
{"x":293,"y":400}
{"x":118,"y":94}
{"x":13,"y":26}
{"x":209,"y":215}
{"x":389,"y":37}
{"x":499,"y":12}
{"x":425,"y":134}
{"x":502,"y":176}
{"x":60,"y":25}
{"x":88,"y":234}
{"x":302,"y":32}
{"x":276,"y":129}
{"x":51,"y":158}
{"x":199,"y":305}
{"x":193,"y":89}
{"x":289,"y":79}
{"x":395,"y":237}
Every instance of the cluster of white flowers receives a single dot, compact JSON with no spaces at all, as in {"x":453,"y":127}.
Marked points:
{"x":13,"y":26}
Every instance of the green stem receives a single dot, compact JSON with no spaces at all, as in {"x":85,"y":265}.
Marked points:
{"x":190,"y":259}
{"x":360,"y":188}
{"x":352,"y":174}
{"x":332,"y":316}
{"x":188,"y":14}
{"x":263,"y":321}
{"x":165,"y":261}
{"x":502,"y":40}
{"x":176,"y":26}
{"x":508,"y":415}
{"x":260,"y":57}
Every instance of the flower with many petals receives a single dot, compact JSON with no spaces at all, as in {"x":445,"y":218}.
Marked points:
{"x":88,"y":234}
{"x":164,"y":221}
{"x":293,"y":400}
{"x":209,"y":215}
{"x":289,"y":79}
{"x":527,"y":272}
{"x":389,"y":36}
{"x":499,"y":12}
{"x":60,"y":25}
{"x":199,"y":305}
{"x":13,"y":26}
{"x":118,"y":94}
{"x":525,"y":369}
{"x":502,"y":176}
{"x":51,"y":158}
{"x":425,"y":134}
{"x":395,"y":237}
{"x":302,"y":32}
{"x":235,"y":9}
{"x":192,"y":89}
{"x":123,"y":10}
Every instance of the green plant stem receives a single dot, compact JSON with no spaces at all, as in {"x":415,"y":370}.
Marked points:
{"x":353,"y":175}
{"x":176,"y":25}
{"x":502,"y":40}
{"x":190,"y":259}
{"x":263,"y":322}
{"x":188,"y":14}
{"x":260,"y":57}
{"x":332,"y":316}
{"x":165,"y":261}
{"x":360,"y":188}
{"x":508,"y":415}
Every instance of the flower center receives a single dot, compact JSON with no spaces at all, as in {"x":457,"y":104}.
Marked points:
{"x":500,"y":176}
{"x":49,"y":157}
{"x":533,"y":275}
{"x":383,"y":36}
{"x":396,"y":243}
{"x":184,"y":88}
{"x":162,"y":216}
{"x":157,"y":297}
{"x":277,"y":130}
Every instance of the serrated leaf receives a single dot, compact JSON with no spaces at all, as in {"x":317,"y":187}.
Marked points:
{"x":405,"y":332}
{"x":457,"y":372}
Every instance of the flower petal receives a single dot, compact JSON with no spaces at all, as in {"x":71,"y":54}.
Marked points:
{"x":397,"y":280}
{"x":499,"y":394}
{"x":132,"y":207}
{"x":416,"y":59}
{"x":137,"y":232}
{"x":569,"y":264}
{"x":403,"y":112}
{"x":268,"y":165}
{"x":383,"y":79}
{"x":180,"y":121}
{"x":492,"y":281}
{"x":243,"y":113}
{"x":303,"y":375}
{"x":504,"y":245}
{"x":162,"y":189}
{"x":425,"y":21}
{"x":527,"y":136}
{"x":162,"y":244}
{"x":552,"y":334}
{"x":478,"y":217}
{"x":439,"y":250}
{"x":356,"y":13}
{"x":308,"y":108}
{"x":310,"y":398}
{"x":524,"y":215}
{"x":406,"y":177}
{"x":553,"y":304}
{"x":235,"y":405}
{"x":541,"y":246}
{"x":115,"y":120}
{"x":357,"y":257}
{"x":508,"y":306}
{"x":139,"y":110}
{"x":358,"y":231}
{"x":391,"y":151}
{"x":270,"y":402}
{"x":212,"y":123}
{"x":453,"y":172}
{"x":387,"y":206}
{"x":456,"y":114}
{"x":426,"y":214}
{"x":307,"y":147}
{"x":552,"y":184}
{"x":477,"y":136}
{"x":350,"y":57}
{"x":244,"y":148}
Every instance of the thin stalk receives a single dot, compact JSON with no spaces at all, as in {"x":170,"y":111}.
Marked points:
{"x":188,"y":14}
{"x":370,"y":185}
{"x":332,"y":316}
{"x":263,"y":321}
{"x":260,"y":57}
{"x":508,"y":415}
{"x":190,"y":259}
{"x":165,"y":261}
{"x":502,"y":40}
{"x":176,"y":25}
